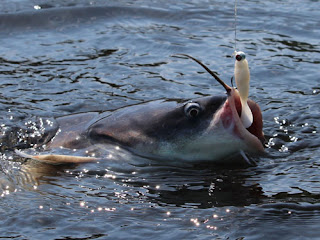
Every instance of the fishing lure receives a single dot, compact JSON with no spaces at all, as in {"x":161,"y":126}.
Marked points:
{"x":242,"y":79}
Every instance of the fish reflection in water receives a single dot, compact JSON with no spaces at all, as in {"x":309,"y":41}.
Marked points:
{"x":203,"y":185}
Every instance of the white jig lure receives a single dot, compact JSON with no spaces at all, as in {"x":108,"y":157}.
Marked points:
{"x":242,"y":78}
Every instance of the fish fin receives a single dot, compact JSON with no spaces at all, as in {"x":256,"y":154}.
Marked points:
{"x":246,"y":115}
{"x":56,"y":158}
{"x":247,"y":159}
{"x":22,"y":154}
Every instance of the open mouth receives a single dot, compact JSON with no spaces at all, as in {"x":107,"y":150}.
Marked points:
{"x":230,"y":117}
{"x":255,"y":129}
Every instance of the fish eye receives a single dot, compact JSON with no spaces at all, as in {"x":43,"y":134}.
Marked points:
{"x":192,"y":109}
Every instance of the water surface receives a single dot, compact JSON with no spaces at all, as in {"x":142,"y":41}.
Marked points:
{"x":64,"y":57}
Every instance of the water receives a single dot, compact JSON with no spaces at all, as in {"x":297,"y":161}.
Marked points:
{"x":64,"y":57}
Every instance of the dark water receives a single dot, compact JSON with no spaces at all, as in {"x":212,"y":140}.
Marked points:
{"x":63,"y":57}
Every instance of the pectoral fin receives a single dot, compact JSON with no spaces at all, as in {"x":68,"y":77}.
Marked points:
{"x":56,"y":158}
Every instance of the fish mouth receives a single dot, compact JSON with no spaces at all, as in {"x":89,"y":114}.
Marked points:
{"x":229,"y":116}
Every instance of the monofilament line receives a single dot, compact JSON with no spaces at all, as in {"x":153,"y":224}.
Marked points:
{"x":235,"y":25}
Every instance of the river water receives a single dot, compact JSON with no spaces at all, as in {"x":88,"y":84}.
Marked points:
{"x":64,"y":57}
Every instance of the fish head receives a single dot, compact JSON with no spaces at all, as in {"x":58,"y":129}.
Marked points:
{"x":207,"y":129}
{"x":212,"y":130}
{"x":203,"y":129}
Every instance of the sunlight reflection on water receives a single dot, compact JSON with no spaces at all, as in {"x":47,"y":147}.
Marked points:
{"x":79,"y":59}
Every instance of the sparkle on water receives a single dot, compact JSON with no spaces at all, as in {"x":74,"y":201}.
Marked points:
{"x":64,"y":57}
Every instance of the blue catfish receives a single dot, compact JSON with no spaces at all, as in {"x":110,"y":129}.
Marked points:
{"x":205,"y":129}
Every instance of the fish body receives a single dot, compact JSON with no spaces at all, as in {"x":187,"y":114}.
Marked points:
{"x":204,"y":129}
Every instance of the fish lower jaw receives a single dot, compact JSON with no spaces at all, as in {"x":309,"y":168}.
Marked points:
{"x":215,"y":145}
{"x":203,"y":150}
{"x":225,"y":122}
{"x":248,"y":142}
{"x":235,"y":135}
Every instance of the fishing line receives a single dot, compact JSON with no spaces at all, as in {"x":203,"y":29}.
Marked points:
{"x":235,"y":26}
{"x":235,"y":34}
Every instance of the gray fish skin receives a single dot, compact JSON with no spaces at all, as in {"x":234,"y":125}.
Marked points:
{"x":163,"y":129}
{"x":154,"y":122}
{"x":143,"y":124}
